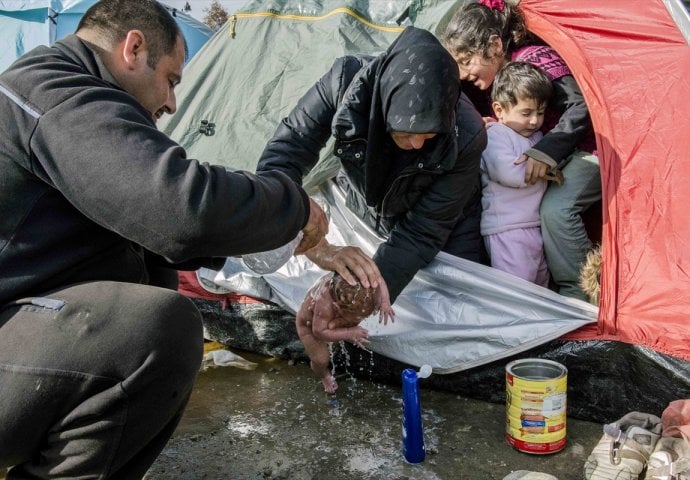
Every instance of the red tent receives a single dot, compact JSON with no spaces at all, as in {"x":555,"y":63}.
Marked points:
{"x":633,"y":64}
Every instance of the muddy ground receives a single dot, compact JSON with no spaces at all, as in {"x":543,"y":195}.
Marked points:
{"x":275,"y":422}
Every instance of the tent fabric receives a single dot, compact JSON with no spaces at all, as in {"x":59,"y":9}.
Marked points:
{"x":25,"y":24}
{"x":633,"y":65}
{"x":632,"y":61}
{"x":256,"y":67}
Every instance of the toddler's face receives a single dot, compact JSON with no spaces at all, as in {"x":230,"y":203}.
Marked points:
{"x":525,"y":118}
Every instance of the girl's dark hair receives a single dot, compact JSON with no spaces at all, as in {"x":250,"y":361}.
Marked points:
{"x":114,"y":18}
{"x":471,"y":26}
{"x":518,"y":80}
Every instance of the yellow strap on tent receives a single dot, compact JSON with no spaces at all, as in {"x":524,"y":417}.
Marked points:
{"x":346,"y":11}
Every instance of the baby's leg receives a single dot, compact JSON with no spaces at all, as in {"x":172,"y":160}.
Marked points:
{"x":320,"y":364}
{"x":320,"y":361}
{"x":329,"y":383}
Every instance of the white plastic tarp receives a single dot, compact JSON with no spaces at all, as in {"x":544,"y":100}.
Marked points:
{"x":454,"y":315}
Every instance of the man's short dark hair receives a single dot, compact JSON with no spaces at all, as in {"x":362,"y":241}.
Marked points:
{"x":114,"y":18}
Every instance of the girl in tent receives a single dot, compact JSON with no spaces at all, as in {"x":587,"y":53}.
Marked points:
{"x":484,"y":36}
{"x":409,"y":144}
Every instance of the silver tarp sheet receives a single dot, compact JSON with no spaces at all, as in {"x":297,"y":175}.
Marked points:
{"x":454,"y":315}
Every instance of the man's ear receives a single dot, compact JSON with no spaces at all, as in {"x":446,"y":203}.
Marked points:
{"x":134,"y":49}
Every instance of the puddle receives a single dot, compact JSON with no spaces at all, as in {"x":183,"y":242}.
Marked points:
{"x":276,"y":422}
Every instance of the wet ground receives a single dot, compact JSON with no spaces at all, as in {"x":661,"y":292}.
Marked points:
{"x":275,"y":422}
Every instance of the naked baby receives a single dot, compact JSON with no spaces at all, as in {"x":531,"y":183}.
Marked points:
{"x":331,"y":312}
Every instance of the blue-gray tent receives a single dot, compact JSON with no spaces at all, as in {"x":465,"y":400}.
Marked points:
{"x":25,"y":24}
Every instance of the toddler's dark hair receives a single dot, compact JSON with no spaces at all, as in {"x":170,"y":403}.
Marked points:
{"x":521,"y":80}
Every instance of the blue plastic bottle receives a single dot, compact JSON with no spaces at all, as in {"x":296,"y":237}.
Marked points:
{"x":412,"y":431}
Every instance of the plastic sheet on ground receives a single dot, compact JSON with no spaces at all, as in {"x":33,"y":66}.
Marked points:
{"x":215,"y":355}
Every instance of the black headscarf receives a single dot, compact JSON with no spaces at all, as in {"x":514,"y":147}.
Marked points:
{"x":412,"y":87}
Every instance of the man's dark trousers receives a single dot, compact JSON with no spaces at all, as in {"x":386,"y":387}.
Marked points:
{"x":94,"y":379}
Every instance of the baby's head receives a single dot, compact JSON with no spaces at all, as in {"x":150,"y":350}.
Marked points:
{"x":354,"y":301}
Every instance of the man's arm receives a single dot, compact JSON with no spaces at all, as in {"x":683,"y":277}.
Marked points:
{"x":115,"y":158}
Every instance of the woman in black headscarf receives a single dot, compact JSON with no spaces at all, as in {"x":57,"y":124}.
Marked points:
{"x":410,"y":145}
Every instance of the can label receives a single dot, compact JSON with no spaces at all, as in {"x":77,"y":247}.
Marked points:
{"x":536,"y":395}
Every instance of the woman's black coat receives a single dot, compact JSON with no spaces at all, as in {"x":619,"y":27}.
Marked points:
{"x":420,"y":198}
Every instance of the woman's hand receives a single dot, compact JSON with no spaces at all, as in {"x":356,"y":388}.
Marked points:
{"x":350,"y":262}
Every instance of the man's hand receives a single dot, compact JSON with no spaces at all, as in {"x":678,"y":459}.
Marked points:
{"x":315,"y":230}
{"x":349,"y":262}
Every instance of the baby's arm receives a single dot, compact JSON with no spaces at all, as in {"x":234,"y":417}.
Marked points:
{"x":357,"y":335}
{"x":324,"y":313}
{"x":385,"y":308}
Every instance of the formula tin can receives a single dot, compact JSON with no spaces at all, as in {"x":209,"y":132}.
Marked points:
{"x":536,"y":392}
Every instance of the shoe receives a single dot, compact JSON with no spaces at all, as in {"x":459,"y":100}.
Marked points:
{"x":625,"y":447}
{"x":670,"y":460}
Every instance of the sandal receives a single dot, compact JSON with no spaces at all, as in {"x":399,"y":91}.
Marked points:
{"x":625,"y":447}
{"x":670,"y":460}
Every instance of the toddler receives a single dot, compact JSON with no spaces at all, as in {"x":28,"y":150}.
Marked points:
{"x":510,"y":221}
